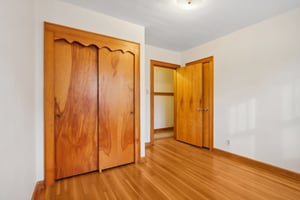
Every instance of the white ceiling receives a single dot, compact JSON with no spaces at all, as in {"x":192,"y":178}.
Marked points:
{"x":167,"y":26}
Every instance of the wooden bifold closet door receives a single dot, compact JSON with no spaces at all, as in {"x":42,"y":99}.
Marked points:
{"x":91,"y":102}
{"x":76,"y":121}
{"x":116,"y":110}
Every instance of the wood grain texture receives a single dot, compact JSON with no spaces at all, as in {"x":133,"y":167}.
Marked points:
{"x":49,"y":139}
{"x":161,"y":130}
{"x":155,"y":63}
{"x":116,"y":108}
{"x":54,"y":32}
{"x":38,"y":190}
{"x":206,"y":104}
{"x":76,"y":135}
{"x":189,"y":120}
{"x":202,"y":60}
{"x":208,"y":100}
{"x":175,"y":103}
{"x":174,"y":170}
{"x":87,"y":38}
{"x":163,"y":93}
{"x":211,"y":103}
{"x":257,"y":164}
{"x":137,"y":111}
{"x":152,"y":101}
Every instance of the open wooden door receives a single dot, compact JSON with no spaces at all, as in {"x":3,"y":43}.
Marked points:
{"x":194,"y":103}
{"x":189,"y":101}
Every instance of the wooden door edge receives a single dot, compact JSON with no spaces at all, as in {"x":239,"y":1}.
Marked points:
{"x":212,"y":104}
{"x":137,"y":121}
{"x":49,"y":157}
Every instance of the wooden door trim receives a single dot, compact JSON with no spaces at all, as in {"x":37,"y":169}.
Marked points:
{"x":137,"y":148}
{"x":54,"y":32}
{"x":202,"y":60}
{"x":155,"y":63}
{"x":89,"y":38}
{"x":160,"y":130}
{"x":163,"y":93}
{"x":209,"y":60}
{"x":49,"y":138}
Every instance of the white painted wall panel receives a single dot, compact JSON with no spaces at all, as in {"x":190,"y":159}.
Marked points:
{"x":17,"y":101}
{"x":163,"y":79}
{"x":163,"y":105}
{"x":163,"y":112}
{"x":257,"y":90}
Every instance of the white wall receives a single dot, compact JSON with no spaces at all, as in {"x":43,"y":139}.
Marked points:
{"x":163,"y":79}
{"x":257,"y":90}
{"x":163,"y":105}
{"x":163,"y":112}
{"x":62,"y":13}
{"x":155,"y":53}
{"x":17,"y":103}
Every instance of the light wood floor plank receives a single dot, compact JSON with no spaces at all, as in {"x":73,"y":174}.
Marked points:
{"x":174,"y":170}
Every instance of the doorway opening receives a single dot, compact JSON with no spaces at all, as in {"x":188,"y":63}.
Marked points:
{"x":162,"y":87}
{"x":182,"y":102}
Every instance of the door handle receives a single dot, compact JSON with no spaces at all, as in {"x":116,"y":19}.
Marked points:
{"x":202,"y":109}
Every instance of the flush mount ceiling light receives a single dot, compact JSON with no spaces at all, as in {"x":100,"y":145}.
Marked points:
{"x":188,"y":4}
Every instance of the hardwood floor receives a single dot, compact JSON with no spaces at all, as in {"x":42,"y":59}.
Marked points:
{"x":174,"y":170}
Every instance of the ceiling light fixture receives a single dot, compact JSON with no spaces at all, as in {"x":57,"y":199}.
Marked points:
{"x":188,"y":4}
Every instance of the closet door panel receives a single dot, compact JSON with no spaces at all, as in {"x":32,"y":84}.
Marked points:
{"x":116,"y":108}
{"x":76,"y":137}
{"x":91,"y":102}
